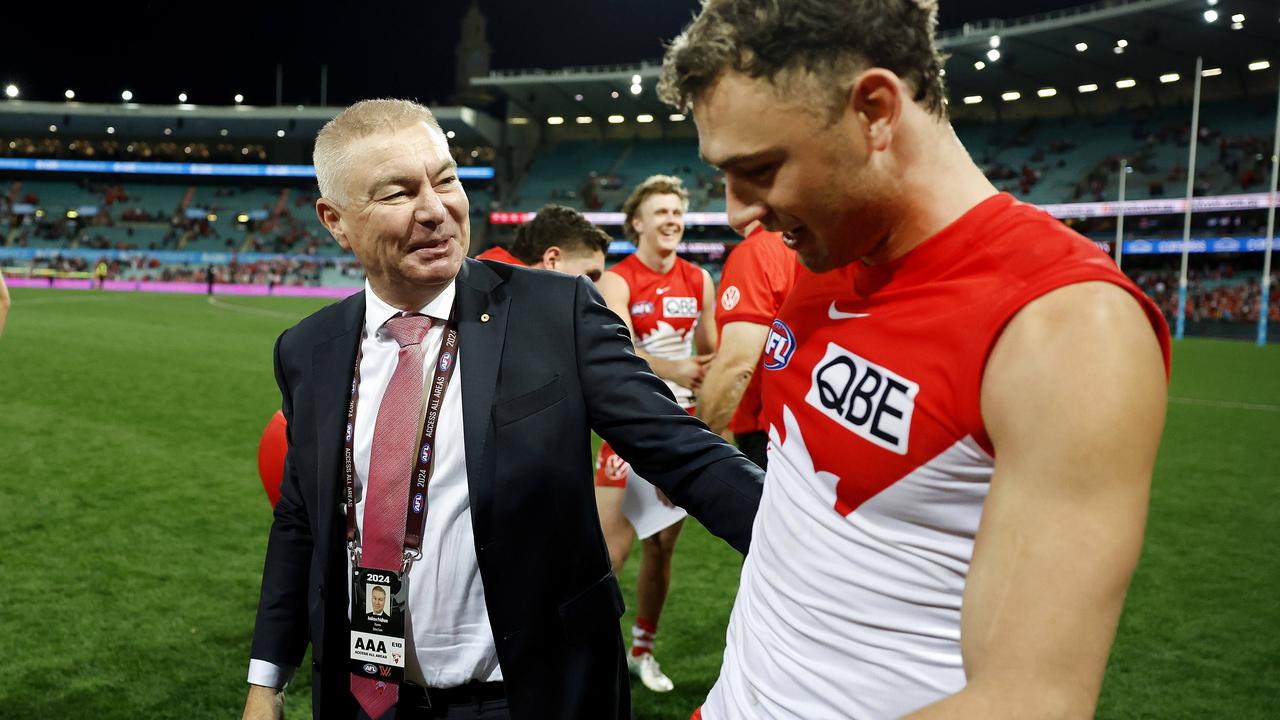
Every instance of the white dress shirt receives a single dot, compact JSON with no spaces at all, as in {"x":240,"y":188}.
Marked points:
{"x":449,"y":638}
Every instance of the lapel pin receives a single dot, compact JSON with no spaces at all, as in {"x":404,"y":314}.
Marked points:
{"x":484,"y":317}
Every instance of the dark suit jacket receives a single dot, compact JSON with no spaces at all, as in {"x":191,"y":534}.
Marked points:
{"x":550,"y":364}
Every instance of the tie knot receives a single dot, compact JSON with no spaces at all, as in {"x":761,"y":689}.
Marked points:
{"x":407,"y":329}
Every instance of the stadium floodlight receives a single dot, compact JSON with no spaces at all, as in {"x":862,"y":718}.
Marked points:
{"x":182,"y":97}
{"x":239,"y":98}
{"x":1212,"y":2}
{"x":993,"y":54}
{"x":1117,"y":50}
{"x":994,"y":41}
{"x":223,"y":132}
{"x":583,"y":119}
{"x":1122,"y":43}
{"x":451,"y":134}
{"x":1211,"y":72}
{"x":212,"y":217}
{"x":1210,"y":15}
{"x":614,"y":94}
{"x":1237,"y":26}
{"x":555,"y":120}
{"x":11,"y":91}
{"x":280,"y":133}
{"x":676,"y":117}
{"x":578,"y":97}
{"x":1170,"y":77}
{"x":1081,"y":47}
{"x":644,"y":118}
{"x":1237,"y":18}
{"x":1010,"y":96}
{"x":979,"y":65}
{"x":636,"y":89}
{"x":69,"y":94}
{"x":53,"y":128}
{"x":635,"y":79}
{"x":517,"y":120}
{"x":1126,"y":83}
{"x":111,"y":130}
{"x":1088,"y":88}
{"x":616,"y":119}
{"x":187,"y":149}
{"x":168,"y":131}
{"x":127,"y":95}
{"x":1047,"y":92}
{"x":1260,"y":65}
{"x":242,"y":218}
{"x":72,"y":214}
{"x":972,"y":99}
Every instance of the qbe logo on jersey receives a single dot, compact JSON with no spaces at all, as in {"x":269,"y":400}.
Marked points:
{"x":871,"y":401}
{"x":679,"y":307}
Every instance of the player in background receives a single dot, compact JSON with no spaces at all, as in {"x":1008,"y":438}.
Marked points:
{"x":757,"y":276}
{"x":557,"y":238}
{"x":964,"y":405}
{"x":666,"y":302}
{"x":4,"y":303}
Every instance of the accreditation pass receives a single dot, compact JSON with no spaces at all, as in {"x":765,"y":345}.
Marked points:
{"x":377,"y":624}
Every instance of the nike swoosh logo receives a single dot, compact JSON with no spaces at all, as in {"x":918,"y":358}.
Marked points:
{"x":663,"y":291}
{"x":835,"y":314}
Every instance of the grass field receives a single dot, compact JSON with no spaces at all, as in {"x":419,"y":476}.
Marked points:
{"x":133,"y":523}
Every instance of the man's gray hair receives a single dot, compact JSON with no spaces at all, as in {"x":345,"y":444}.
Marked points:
{"x":363,"y":119}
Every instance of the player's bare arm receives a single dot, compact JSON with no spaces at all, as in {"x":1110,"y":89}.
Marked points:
{"x":704,"y":335}
{"x":617,"y":295}
{"x":730,"y":372}
{"x":1073,"y":398}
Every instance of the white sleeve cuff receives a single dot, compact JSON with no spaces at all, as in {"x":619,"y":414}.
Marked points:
{"x":268,"y":674}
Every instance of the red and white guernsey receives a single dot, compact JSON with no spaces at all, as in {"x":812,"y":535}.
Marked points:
{"x":665,"y":308}
{"x":879,"y":464}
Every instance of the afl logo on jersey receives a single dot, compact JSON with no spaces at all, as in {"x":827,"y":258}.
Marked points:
{"x":869,"y":400}
{"x":641,"y":309}
{"x":730,"y":297}
{"x":679,"y":307}
{"x":779,"y":347}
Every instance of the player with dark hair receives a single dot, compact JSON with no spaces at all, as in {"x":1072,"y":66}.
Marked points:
{"x":964,"y":407}
{"x":557,"y":238}
{"x":666,"y":303}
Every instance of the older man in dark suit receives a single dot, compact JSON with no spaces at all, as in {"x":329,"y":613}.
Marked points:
{"x":439,"y":444}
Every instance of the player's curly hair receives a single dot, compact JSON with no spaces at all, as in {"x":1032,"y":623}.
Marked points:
{"x":653,"y":185}
{"x":831,"y":41}
{"x":563,"y":227}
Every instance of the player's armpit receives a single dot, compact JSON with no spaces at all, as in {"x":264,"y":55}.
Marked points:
{"x":1073,"y":399}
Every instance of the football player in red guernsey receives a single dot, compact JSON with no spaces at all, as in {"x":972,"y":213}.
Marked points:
{"x":964,"y":406}
{"x":667,"y":303}
{"x":557,"y":238}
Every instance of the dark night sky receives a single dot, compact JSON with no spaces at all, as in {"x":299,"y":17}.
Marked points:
{"x":406,"y":49}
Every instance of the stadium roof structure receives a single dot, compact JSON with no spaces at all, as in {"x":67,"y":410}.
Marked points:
{"x":1053,"y":63}
{"x":241,"y":122}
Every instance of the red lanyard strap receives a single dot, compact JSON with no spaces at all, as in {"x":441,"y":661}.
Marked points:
{"x":416,"y":511}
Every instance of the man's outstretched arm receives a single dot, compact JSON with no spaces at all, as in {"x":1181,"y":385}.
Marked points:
{"x":1073,"y":398}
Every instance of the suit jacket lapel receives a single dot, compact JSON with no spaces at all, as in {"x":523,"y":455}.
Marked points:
{"x":334,"y":370}
{"x":482,"y":327}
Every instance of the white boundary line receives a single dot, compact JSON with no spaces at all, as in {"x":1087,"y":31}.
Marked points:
{"x":1225,"y":404}
{"x":79,"y":298}
{"x":224,"y":305}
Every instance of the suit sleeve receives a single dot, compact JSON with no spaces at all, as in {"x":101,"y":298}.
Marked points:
{"x":635,"y":413}
{"x":280,"y":632}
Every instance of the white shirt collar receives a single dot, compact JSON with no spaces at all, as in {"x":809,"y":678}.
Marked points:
{"x":377,"y":311}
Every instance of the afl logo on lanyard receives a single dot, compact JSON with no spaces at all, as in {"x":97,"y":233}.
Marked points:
{"x":446,"y":359}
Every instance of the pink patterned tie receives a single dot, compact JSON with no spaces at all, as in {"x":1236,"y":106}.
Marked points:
{"x":395,"y":438}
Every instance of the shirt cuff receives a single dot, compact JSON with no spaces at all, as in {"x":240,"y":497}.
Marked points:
{"x":269,"y":674}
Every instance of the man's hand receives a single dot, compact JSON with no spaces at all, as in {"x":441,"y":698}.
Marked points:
{"x":688,"y":372}
{"x":264,"y":703}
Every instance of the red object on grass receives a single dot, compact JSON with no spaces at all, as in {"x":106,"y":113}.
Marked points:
{"x":271,"y":451}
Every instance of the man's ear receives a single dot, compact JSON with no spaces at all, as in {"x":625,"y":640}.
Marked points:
{"x":330,"y":215}
{"x":552,"y":257}
{"x":876,"y":99}
{"x":636,"y":225}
